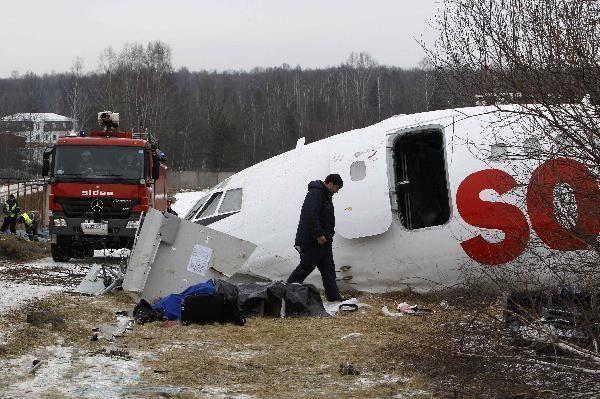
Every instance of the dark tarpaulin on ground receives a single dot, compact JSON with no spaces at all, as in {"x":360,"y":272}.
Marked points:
{"x":300,"y":299}
{"x":260,"y":299}
{"x":252,"y":299}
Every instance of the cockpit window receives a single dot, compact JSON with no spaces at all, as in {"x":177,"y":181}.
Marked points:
{"x":232,"y":201}
{"x":211,"y":206}
{"x":205,"y":211}
{"x":192,"y":214}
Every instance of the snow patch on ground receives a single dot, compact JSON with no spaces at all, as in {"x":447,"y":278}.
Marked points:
{"x":15,"y":295}
{"x":47,"y":263}
{"x":185,"y":201}
{"x":112,"y":253}
{"x":370,"y":381}
{"x":89,"y":376}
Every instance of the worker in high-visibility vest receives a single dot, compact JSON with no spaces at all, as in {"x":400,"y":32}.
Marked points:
{"x":10,"y":210}
{"x":30,"y":220}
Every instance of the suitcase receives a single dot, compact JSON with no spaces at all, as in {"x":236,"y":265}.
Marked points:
{"x":207,"y":309}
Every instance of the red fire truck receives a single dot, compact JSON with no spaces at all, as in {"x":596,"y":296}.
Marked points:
{"x":101,"y":184}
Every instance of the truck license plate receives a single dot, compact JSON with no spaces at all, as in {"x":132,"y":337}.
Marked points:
{"x":99,"y":229}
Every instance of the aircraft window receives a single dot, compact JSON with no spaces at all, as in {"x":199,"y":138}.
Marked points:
{"x":211,"y":206}
{"x":358,"y":170}
{"x":232,"y":201}
{"x":421,"y":183}
{"x":197,"y":207}
{"x":498,"y":152}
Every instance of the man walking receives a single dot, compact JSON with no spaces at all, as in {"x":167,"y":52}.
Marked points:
{"x":315,"y":235}
{"x":10,"y":210}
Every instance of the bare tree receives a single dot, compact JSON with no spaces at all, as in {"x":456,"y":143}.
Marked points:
{"x":361,"y":67}
{"x":76,"y":94}
{"x":545,"y":56}
{"x":137,"y":82}
{"x":429,"y":81}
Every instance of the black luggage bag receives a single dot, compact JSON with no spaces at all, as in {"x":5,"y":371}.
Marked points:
{"x":207,"y":309}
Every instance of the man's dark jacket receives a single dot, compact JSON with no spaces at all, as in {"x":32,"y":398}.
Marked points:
{"x":317,"y":217}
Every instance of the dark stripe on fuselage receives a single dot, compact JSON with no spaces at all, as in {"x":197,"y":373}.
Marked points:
{"x":216,"y":218}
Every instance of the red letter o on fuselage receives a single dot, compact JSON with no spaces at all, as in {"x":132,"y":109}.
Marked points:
{"x":540,"y":204}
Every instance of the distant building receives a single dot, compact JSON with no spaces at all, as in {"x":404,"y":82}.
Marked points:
{"x":38,"y":130}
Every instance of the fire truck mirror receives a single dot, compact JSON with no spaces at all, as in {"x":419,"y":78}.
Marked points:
{"x":46,"y":164}
{"x":155,"y":166}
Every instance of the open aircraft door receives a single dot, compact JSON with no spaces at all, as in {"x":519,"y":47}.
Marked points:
{"x":362,"y":206}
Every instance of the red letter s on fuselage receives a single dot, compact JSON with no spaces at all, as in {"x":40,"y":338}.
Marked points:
{"x":492,"y":215}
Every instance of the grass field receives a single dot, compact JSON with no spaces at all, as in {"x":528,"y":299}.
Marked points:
{"x":458,"y":352}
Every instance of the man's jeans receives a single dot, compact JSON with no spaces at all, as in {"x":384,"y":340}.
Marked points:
{"x":321,"y":257}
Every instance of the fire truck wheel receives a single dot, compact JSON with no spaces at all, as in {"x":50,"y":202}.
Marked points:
{"x":59,"y":253}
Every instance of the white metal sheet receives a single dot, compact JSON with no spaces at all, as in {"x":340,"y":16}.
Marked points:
{"x":191,"y":253}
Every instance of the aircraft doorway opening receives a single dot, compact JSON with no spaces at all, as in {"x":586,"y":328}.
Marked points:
{"x":421,"y":182}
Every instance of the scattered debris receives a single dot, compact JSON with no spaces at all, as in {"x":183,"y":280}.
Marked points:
{"x":35,"y":365}
{"x":406,"y":309}
{"x":110,"y":331}
{"x":349,"y":305}
{"x":387,"y":312}
{"x":544,"y":316}
{"x":101,"y":279}
{"x":154,"y":270}
{"x":145,"y":313}
{"x":352,"y":335}
{"x":444,"y":305}
{"x":348,"y":369}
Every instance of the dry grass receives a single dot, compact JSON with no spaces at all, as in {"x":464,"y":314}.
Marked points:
{"x":80,"y":315}
{"x":454,"y":353}
{"x":285,"y":357}
{"x":19,"y":249}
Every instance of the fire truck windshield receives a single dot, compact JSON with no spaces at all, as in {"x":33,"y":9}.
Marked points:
{"x":98,"y":162}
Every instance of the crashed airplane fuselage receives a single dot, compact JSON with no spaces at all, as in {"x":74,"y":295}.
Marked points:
{"x":424,"y":196}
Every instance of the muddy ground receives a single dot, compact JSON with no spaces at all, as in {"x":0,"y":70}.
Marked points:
{"x":461,"y":351}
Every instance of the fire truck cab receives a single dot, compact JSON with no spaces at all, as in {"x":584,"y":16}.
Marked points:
{"x":101,"y":184}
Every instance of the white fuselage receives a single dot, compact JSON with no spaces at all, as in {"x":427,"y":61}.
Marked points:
{"x":374,"y":250}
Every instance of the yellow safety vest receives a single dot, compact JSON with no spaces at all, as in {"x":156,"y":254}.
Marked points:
{"x":11,"y":211}
{"x":26,"y":219}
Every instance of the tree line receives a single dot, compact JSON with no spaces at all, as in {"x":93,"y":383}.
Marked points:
{"x":227,"y":120}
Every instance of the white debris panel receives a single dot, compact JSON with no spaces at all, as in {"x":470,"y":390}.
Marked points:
{"x":171,"y":254}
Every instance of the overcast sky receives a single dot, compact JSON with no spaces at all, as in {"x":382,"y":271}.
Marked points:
{"x":46,"y":36}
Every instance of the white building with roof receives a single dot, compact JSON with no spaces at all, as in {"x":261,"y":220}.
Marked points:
{"x":37,"y":127}
{"x":39,"y":130}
